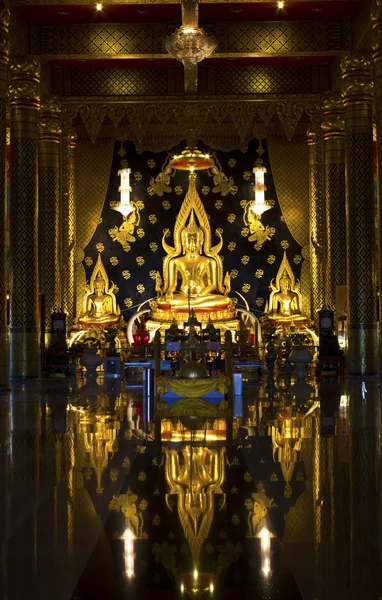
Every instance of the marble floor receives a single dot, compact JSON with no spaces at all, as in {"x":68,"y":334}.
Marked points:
{"x":93,"y":506}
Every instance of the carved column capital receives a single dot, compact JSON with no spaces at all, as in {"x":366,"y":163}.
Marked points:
{"x":25,"y":81}
{"x":357,"y":86}
{"x":313,"y":134}
{"x":333,"y":122}
{"x":50,"y":127}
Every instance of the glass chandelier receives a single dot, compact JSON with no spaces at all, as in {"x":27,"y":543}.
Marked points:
{"x":190,"y":45}
{"x":260,"y":204}
{"x":125,"y":206}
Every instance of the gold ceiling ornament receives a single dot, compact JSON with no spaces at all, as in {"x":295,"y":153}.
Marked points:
{"x":195,"y":475}
{"x":190,"y":44}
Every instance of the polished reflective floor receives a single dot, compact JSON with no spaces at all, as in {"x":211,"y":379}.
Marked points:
{"x":93,"y":505}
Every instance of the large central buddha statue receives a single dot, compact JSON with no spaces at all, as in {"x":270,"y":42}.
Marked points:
{"x":193,"y":269}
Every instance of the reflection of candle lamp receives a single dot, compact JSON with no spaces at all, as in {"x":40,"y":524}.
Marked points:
{"x":128,"y":542}
{"x":265,"y":547}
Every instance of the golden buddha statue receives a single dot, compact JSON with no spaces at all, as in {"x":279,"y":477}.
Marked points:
{"x":192,"y":269}
{"x":285,"y":301}
{"x":100,"y":305}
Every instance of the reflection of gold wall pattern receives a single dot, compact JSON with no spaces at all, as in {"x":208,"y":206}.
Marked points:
{"x":49,"y":204}
{"x":68,"y":213}
{"x":334,"y":189}
{"x":147,"y":38}
{"x":4,"y":52}
{"x":316,"y":215}
{"x":25,"y":326}
{"x":290,"y":175}
{"x":93,"y":164}
{"x":362,"y":318}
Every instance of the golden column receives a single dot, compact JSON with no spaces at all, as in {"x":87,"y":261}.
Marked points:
{"x":4,"y":331}
{"x":24,"y":94}
{"x":49,"y":206}
{"x":334,"y":192}
{"x":376,"y":18}
{"x":357,"y":96}
{"x":316,"y":218}
{"x":68,"y":215}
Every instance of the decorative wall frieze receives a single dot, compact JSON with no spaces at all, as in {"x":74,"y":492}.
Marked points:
{"x":159,"y":126}
{"x":247,"y":38}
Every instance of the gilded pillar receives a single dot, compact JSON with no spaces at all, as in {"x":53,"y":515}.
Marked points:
{"x":49,"y":206}
{"x":334,"y":195}
{"x":24,"y":94}
{"x":357,"y":96}
{"x":316,"y":215}
{"x":68,"y":223}
{"x":376,"y":18}
{"x":4,"y":331}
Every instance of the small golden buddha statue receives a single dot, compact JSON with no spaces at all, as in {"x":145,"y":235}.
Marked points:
{"x":285,"y":301}
{"x":193,"y":261}
{"x":100,"y":305}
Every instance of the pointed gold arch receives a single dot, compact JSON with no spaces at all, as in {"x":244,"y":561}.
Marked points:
{"x":193,"y":204}
{"x":295,"y":283}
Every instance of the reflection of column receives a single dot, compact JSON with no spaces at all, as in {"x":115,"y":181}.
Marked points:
{"x":24,"y":306}
{"x":334,"y":189}
{"x":376,"y":17}
{"x":364,"y":506}
{"x":362,"y":318}
{"x":49,"y":205}
{"x":316,"y":218}
{"x":68,"y":223}
{"x":4,"y":332}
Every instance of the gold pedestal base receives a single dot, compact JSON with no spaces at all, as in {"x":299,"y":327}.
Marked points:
{"x":25,"y":351}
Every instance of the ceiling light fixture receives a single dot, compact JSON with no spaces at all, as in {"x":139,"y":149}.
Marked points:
{"x":99,"y":6}
{"x":280,"y":4}
{"x":190,"y":44}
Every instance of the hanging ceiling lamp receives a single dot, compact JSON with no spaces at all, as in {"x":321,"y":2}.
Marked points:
{"x":260,"y":204}
{"x":125,"y":206}
{"x":189,"y":43}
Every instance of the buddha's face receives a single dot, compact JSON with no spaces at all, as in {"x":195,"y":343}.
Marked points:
{"x":99,"y":287}
{"x":193,"y":244}
{"x":285,"y":284}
